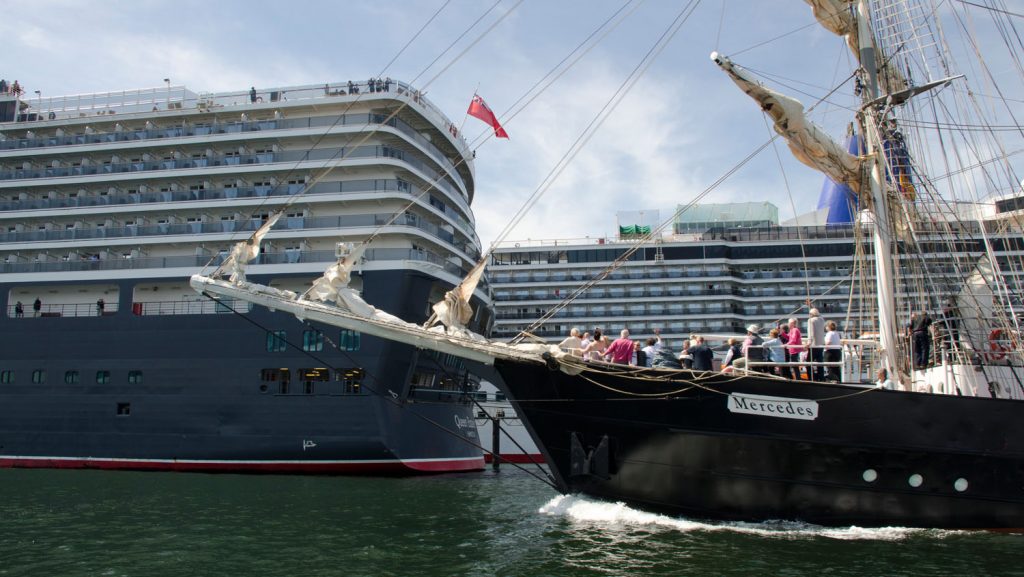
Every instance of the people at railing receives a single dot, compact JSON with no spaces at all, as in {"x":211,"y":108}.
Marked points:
{"x":752,"y":349}
{"x":639,"y":356}
{"x":882,"y":380}
{"x":783,"y":328}
{"x":734,"y":354}
{"x":572,"y":343}
{"x":815,"y":344}
{"x":703,"y":356}
{"x":654,"y":345}
{"x":833,"y":351}
{"x":685,"y":356}
{"x":774,"y":351}
{"x":621,"y":349}
{"x":3,"y":86}
{"x":37,"y":307}
{"x":596,"y":348}
{"x":19,"y":310}
{"x":795,"y":346}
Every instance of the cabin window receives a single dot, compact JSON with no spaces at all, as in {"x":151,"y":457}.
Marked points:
{"x":311,"y":376}
{"x":274,"y":375}
{"x":71,"y":377}
{"x":352,"y":379}
{"x":102,"y":377}
{"x":134,"y":377}
{"x":312,"y":341}
{"x":6,"y":377}
{"x":349,"y":340}
{"x":38,"y":376}
{"x":276,"y":342}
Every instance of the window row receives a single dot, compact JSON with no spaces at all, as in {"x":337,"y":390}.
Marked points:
{"x":73,"y":377}
{"x":313,"y":341}
{"x":347,"y":381}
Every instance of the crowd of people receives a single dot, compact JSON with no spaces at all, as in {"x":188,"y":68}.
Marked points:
{"x":14,"y":88}
{"x":782,"y":353}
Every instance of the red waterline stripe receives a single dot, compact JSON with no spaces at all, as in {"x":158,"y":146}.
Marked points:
{"x":350,"y":467}
{"x":517,"y":458}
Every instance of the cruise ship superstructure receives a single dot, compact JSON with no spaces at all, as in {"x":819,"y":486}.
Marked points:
{"x":723,"y":267}
{"x":109,"y":202}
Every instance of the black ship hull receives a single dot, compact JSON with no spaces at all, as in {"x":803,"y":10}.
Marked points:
{"x":201,"y":392}
{"x":720,"y":447}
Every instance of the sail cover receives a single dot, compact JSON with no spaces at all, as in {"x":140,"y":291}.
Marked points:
{"x":336,"y":277}
{"x":245,"y":251}
{"x":454,"y":310}
{"x":808,"y":142}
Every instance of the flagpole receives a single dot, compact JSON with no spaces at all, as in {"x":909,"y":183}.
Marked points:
{"x":466,"y":115}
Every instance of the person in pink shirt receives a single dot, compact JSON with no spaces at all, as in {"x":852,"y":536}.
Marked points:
{"x":795,"y":346}
{"x":621,"y":349}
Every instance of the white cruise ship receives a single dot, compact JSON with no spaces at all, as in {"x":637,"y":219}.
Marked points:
{"x":109,"y":203}
{"x":723,"y":267}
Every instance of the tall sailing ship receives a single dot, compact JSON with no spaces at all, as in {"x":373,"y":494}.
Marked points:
{"x":110,"y":201}
{"x":944,"y":447}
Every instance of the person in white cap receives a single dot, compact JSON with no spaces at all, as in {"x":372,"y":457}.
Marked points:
{"x":752,"y":348}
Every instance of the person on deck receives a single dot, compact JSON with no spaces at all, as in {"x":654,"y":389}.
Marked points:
{"x":37,"y":307}
{"x":734,"y":354}
{"x":795,"y":346}
{"x":596,"y":348}
{"x":654,"y":345}
{"x":621,"y":349}
{"x":816,"y":344}
{"x":752,"y":349}
{"x":572,"y":343}
{"x":703,"y":356}
{"x":833,"y":351}
{"x":883,"y":381}
{"x":775,"y":351}
{"x":921,"y":339}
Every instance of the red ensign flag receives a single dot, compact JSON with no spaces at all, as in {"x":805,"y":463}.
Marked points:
{"x":479,"y":109}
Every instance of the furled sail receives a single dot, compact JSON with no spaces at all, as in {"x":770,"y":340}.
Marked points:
{"x":454,"y":311}
{"x":837,"y":16}
{"x":328,"y":288}
{"x":809,"y":143}
{"x":245,"y":251}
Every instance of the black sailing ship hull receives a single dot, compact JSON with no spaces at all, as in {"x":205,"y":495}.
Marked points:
{"x":757,"y":449}
{"x":200,"y":400}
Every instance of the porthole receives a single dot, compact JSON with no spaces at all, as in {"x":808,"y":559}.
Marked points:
{"x":960,"y":485}
{"x":263,"y":388}
{"x":915,"y":480}
{"x":870,"y":475}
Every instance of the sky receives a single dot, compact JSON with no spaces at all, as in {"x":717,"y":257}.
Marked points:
{"x":681,"y":127}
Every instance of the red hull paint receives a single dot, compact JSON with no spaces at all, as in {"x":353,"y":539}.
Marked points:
{"x":517,"y":458}
{"x":346,"y":468}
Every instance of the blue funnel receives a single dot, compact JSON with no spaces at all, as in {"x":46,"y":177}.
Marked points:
{"x":838,"y":198}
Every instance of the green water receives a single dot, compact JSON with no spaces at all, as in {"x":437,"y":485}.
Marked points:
{"x":99,"y":523}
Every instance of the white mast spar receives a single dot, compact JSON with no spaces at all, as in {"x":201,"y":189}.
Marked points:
{"x":881,"y":236}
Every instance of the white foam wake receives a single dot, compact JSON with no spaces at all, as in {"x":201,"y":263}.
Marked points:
{"x":583,"y":510}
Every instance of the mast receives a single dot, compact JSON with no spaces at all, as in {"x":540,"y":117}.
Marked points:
{"x":881,"y":236}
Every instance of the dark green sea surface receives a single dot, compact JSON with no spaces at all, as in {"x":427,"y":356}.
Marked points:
{"x":100,"y":523}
